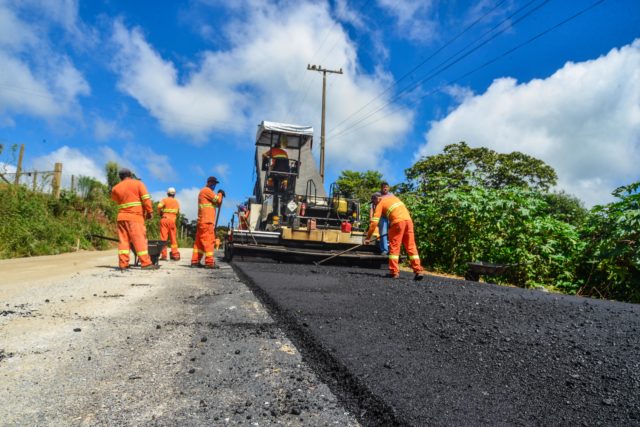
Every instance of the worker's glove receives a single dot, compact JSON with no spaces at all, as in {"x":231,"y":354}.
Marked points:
{"x":148,"y":215}
{"x":222,"y":192}
{"x":366,"y":241}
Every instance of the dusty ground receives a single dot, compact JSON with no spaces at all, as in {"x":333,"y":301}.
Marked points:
{"x":451,"y":352}
{"x":84,"y":344}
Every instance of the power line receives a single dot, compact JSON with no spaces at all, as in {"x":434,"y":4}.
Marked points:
{"x":487,"y":63}
{"x":417,"y":66}
{"x":450,"y":61}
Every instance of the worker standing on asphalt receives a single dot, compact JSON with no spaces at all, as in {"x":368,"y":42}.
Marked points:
{"x":204,"y":244}
{"x":168,"y":209}
{"x":400,"y":233}
{"x":134,"y":206}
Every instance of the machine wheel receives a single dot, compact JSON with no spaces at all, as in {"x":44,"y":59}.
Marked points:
{"x":228,"y":252}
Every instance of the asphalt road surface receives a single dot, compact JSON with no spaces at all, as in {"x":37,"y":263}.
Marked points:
{"x":82,"y":344}
{"x":452,"y":352}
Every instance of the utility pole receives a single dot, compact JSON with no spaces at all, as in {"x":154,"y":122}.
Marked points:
{"x":19,"y":166}
{"x":324,"y":72}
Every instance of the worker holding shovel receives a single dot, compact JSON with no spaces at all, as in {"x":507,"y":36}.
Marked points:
{"x":400,"y":233}
{"x":204,"y":243}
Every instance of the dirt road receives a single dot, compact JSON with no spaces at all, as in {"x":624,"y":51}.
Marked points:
{"x":84,"y":344}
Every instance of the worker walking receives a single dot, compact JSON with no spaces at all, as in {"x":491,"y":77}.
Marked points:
{"x":400,"y":233}
{"x":204,"y":243}
{"x":134,"y":206}
{"x":168,"y":210}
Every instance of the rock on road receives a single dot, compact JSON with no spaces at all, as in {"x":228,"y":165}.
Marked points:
{"x":83,"y":344}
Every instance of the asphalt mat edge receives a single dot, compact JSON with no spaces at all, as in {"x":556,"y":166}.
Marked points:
{"x":368,"y":408}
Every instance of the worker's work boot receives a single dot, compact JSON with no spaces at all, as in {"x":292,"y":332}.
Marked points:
{"x":419,"y":276}
{"x":393,"y":275}
{"x":150,"y":267}
{"x":195,"y":265}
{"x":164,"y":259}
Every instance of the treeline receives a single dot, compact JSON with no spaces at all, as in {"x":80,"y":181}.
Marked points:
{"x":35,"y":223}
{"x":473,"y":204}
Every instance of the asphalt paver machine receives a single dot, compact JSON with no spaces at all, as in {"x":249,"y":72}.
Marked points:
{"x":291,"y":218}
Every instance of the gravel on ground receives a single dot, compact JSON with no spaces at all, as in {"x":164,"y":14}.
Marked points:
{"x":88,"y":345}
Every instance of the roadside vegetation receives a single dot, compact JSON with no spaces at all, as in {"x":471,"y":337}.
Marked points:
{"x":473,"y":204}
{"x":35,"y":223}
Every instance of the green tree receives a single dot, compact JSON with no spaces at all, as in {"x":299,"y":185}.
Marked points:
{"x":461,"y":165}
{"x":610,"y":263}
{"x":359,"y":185}
{"x":111,"y":168}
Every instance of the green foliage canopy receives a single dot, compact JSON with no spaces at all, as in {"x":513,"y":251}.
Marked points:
{"x":460,"y":165}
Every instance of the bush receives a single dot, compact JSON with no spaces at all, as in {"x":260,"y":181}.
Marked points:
{"x":507,"y":226}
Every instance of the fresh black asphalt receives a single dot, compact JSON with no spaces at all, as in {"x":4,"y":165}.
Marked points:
{"x":452,"y":352}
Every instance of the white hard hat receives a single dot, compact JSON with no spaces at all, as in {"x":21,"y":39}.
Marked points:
{"x":171,"y":190}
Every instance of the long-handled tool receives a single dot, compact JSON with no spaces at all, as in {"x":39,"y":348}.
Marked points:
{"x":345,"y":251}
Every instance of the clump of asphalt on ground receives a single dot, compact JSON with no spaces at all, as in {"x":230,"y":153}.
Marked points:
{"x":451,"y":352}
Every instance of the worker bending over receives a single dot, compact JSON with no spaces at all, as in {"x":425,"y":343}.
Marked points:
{"x":204,"y":244}
{"x":400,"y":232}
{"x":134,"y":206}
{"x":168,"y":209}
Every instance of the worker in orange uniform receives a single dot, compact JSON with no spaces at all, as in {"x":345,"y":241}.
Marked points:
{"x":168,"y":210}
{"x":279,"y":163}
{"x":400,"y":232}
{"x":204,"y":244}
{"x":134,"y":206}
{"x":243,"y":215}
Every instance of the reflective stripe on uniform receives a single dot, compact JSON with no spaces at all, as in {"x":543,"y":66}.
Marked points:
{"x":143,"y":253}
{"x":145,"y":197}
{"x":375,"y":219}
{"x":196,"y":251}
{"x":414,"y":257}
{"x":208,"y":254}
{"x":128,"y":205}
{"x":205,"y":205}
{"x":392,"y":207}
{"x":123,"y":252}
{"x":394,"y":256}
{"x":170,"y":210}
{"x":174,"y":246}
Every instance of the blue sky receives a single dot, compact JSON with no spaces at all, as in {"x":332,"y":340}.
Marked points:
{"x":175,"y":90}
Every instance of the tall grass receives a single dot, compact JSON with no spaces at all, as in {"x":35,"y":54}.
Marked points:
{"x":33,"y":223}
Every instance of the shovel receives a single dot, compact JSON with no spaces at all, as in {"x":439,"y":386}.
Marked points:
{"x":345,"y":251}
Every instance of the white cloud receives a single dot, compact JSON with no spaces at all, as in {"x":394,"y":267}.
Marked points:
{"x":584,"y":121}
{"x":262,"y":76}
{"x":74,"y":162}
{"x":36,"y":78}
{"x":222,"y":170}
{"x":108,"y":129}
{"x":158,"y":165}
{"x":188,"y":198}
{"x":413,"y":18}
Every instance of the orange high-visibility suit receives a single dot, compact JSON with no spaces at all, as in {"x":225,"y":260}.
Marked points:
{"x":168,"y":209}
{"x":244,"y":219}
{"x":134,"y":204}
{"x":400,"y":232}
{"x":206,"y":233}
